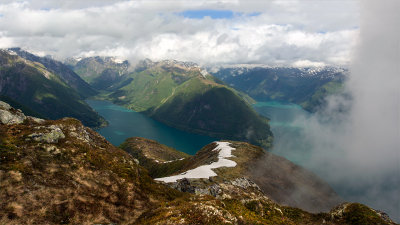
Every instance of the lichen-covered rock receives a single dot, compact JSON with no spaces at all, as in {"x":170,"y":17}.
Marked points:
{"x":244,"y":183}
{"x":4,"y":105}
{"x":52,"y":136}
{"x":183,"y":185}
{"x":35,"y":119}
{"x":9,"y":115}
{"x":9,"y":118}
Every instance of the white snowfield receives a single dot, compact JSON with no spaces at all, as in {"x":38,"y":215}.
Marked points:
{"x":205,"y":171}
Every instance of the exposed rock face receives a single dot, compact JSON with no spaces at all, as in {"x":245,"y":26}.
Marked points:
{"x":10,"y":116}
{"x":51,"y":136}
{"x":4,"y":106}
{"x":215,"y":189}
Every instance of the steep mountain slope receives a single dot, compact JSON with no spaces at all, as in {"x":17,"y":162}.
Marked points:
{"x":278,"y":178}
{"x":27,"y":111}
{"x":182,"y":95}
{"x":100,"y":72}
{"x":30,"y":84}
{"x":60,"y":70}
{"x":304,"y":86}
{"x":155,"y":157}
{"x":60,"y":172}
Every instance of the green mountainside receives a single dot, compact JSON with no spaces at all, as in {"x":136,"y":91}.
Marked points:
{"x":307,"y":87}
{"x":33,"y":86}
{"x":61,"y":70}
{"x":183,"y":96}
{"x":317,"y":99}
{"x":60,"y":172}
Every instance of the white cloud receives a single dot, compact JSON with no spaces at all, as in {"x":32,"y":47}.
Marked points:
{"x":283,"y":32}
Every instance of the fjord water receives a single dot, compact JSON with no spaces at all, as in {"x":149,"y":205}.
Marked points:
{"x":125,"y":123}
{"x":287,"y":122}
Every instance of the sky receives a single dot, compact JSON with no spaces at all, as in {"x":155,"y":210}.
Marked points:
{"x":274,"y":32}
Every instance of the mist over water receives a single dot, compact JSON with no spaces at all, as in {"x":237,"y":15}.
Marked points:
{"x":354,"y":143}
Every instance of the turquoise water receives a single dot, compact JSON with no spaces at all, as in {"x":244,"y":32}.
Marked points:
{"x":125,"y":123}
{"x":298,"y":139}
{"x":287,"y":123}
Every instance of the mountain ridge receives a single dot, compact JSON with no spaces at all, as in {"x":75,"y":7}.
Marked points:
{"x":63,"y":71}
{"x":306,"y":86}
{"x":54,"y":172}
{"x":32,"y":85}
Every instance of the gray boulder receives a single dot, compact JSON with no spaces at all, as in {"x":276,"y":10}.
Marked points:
{"x":4,"y":106}
{"x":9,"y":118}
{"x":52,"y":136}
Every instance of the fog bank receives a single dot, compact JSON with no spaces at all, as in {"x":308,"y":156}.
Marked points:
{"x":354,"y":142}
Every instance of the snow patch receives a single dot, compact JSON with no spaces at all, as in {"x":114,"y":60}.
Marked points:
{"x":204,"y":73}
{"x":205,"y":171}
{"x":117,"y":61}
{"x":174,"y":160}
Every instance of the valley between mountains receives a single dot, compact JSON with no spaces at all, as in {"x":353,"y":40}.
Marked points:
{"x":56,"y":169}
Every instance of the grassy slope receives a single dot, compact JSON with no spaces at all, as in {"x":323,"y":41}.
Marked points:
{"x":318,"y":97}
{"x":215,"y":110}
{"x":153,"y":156}
{"x":81,"y":179}
{"x":188,"y":101}
{"x":285,"y":84}
{"x":26,"y":83}
{"x":61,"y":70}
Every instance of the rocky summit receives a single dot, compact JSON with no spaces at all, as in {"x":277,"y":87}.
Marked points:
{"x":61,"y":172}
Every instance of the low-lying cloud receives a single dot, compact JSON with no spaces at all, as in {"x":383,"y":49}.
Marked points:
{"x":354,"y":143}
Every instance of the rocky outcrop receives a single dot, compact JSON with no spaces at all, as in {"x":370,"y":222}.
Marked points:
{"x":51,"y":136}
{"x":214,"y":189}
{"x":9,"y":118}
{"x":9,"y":115}
{"x":61,"y":172}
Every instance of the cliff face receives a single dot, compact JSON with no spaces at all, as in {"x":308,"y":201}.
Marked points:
{"x":61,"y":172}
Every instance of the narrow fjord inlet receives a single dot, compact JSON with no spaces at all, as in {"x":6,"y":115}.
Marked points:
{"x":125,"y":123}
